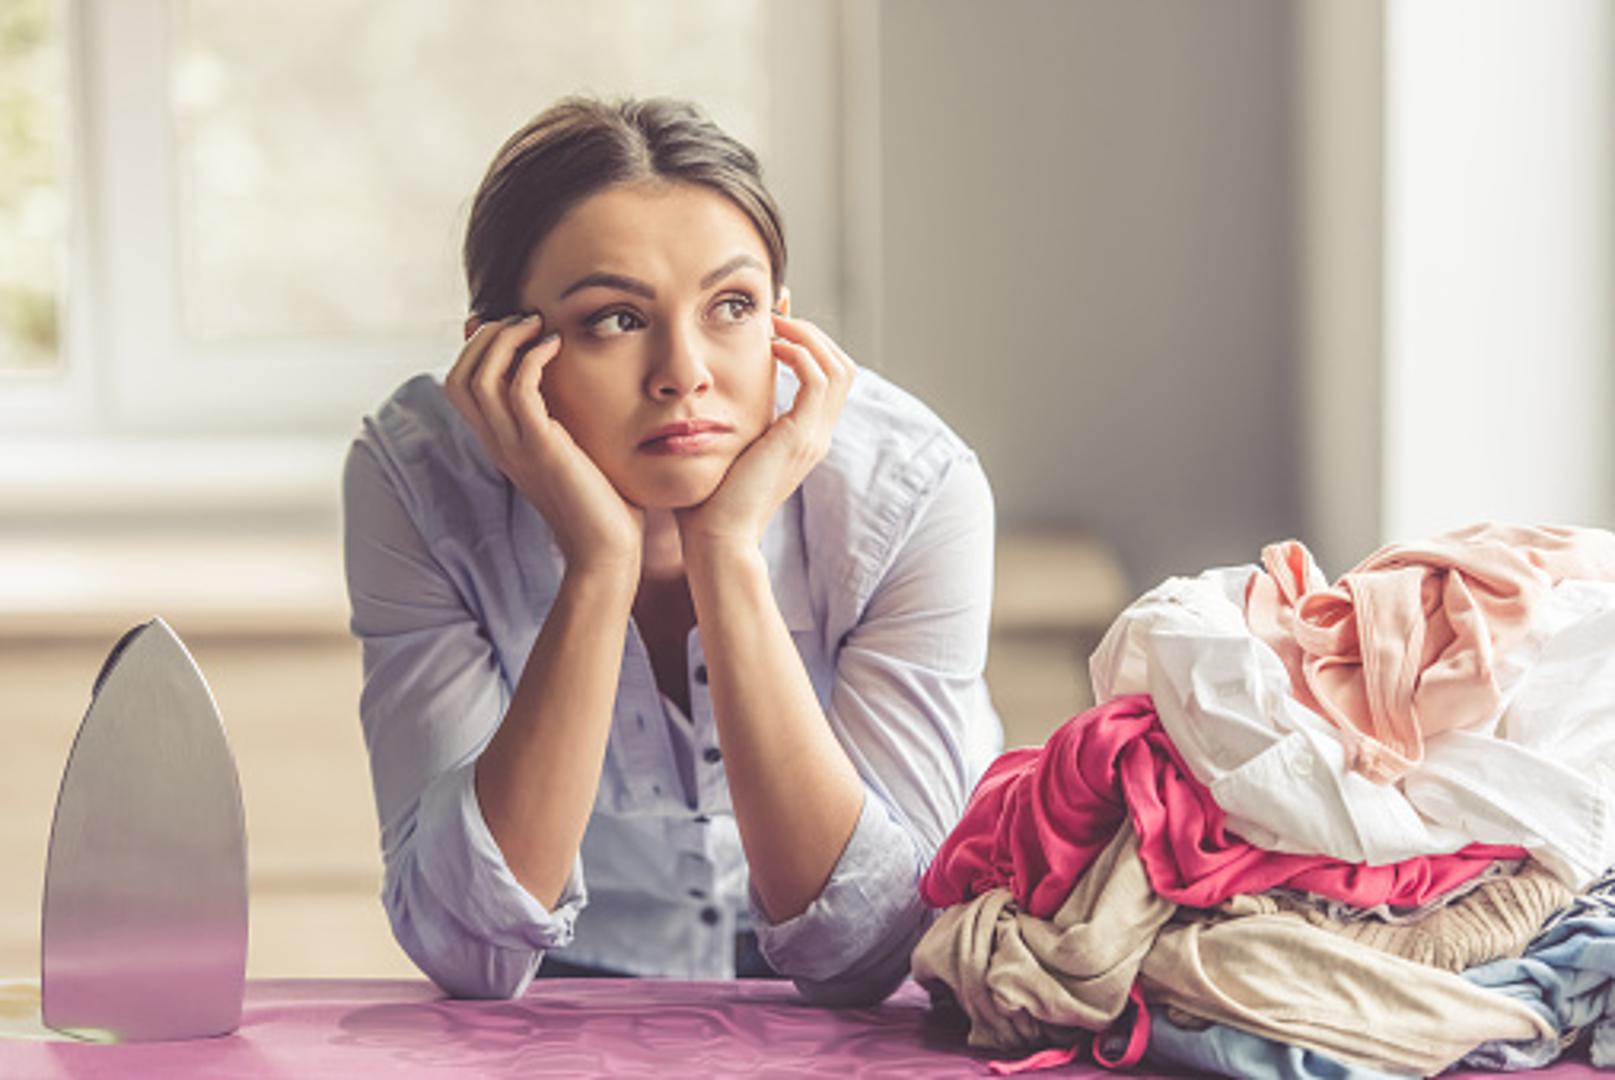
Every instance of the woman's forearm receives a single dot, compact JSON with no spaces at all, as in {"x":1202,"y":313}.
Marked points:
{"x":795,"y":794}
{"x":537,"y":778}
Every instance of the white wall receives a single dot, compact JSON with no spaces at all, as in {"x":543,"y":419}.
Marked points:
{"x":1087,"y":269}
{"x":1500,"y":263}
{"x":1457,"y":186}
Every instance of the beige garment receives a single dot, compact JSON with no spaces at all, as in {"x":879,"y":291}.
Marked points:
{"x":1279,"y":977}
{"x":1496,"y":919}
{"x":1025,"y":981}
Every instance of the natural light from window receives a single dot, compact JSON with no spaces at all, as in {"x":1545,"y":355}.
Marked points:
{"x":33,"y":198}
{"x":326,"y":149}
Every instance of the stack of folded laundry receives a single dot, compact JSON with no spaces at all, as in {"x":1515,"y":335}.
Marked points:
{"x":1349,"y":831}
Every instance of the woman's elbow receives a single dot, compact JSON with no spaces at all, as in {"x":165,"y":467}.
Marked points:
{"x":864,"y":991}
{"x":462,"y":967}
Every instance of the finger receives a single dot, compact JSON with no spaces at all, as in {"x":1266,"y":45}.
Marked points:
{"x":457,"y":384}
{"x":526,"y":394}
{"x":834,"y":365}
{"x":814,"y":382}
{"x":488,"y":384}
{"x":798,"y":331}
{"x":839,"y":365}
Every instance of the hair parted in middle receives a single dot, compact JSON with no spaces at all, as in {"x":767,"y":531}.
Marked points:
{"x":580,"y":146}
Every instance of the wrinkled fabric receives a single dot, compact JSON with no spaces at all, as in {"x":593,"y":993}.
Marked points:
{"x":1277,"y":977}
{"x":1228,"y":1051}
{"x":1568,"y":976}
{"x":1403,"y":647}
{"x":1026,"y":981}
{"x":1543,"y":779}
{"x":1340,"y":911}
{"x":1040,"y":816}
{"x":1494,"y":921}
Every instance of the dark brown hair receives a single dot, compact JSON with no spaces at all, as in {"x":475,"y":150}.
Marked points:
{"x":580,"y":146}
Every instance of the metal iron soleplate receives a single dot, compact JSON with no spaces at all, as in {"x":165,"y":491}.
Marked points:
{"x":145,"y":914}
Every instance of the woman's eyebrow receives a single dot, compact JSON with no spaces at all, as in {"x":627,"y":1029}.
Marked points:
{"x":730,"y":267}
{"x":610,"y":281}
{"x":624,"y":283}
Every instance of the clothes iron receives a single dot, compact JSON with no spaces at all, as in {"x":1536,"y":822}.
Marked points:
{"x":145,"y":912}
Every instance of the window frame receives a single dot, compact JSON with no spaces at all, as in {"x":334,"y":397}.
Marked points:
{"x":128,"y":372}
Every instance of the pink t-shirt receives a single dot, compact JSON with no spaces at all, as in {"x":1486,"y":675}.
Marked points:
{"x":1041,"y":815}
{"x":1404,"y":645}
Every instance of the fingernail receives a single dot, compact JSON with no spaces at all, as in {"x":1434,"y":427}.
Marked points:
{"x":531,"y":316}
{"x":545,"y":339}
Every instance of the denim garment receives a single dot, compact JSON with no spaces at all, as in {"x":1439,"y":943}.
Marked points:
{"x":881,"y":564}
{"x":1228,"y":1051}
{"x":1568,"y":975}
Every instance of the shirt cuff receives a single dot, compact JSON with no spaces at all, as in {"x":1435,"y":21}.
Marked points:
{"x":852,"y":944}
{"x":460,"y":861}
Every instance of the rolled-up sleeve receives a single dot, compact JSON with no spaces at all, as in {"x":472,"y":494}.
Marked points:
{"x":910,"y":707}
{"x":432,"y":698}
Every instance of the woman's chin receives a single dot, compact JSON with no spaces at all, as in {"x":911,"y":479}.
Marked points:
{"x":687,"y":488}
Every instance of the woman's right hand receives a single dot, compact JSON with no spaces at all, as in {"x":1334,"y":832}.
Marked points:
{"x":494,"y":385}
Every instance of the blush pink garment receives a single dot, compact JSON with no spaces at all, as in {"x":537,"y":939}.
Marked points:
{"x":1404,"y":646}
{"x":1040,"y":816}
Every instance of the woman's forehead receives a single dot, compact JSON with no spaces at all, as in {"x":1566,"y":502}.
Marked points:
{"x":675,"y":233}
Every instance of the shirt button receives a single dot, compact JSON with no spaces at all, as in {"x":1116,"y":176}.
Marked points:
{"x":713,"y":755}
{"x":698,"y":894}
{"x":702,"y":819}
{"x":1302,"y":765}
{"x":701,"y":674}
{"x":710,"y":916}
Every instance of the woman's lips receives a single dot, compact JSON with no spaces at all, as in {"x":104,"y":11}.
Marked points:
{"x":684,"y":437}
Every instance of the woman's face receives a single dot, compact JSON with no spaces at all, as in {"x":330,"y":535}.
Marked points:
{"x":661,"y":294}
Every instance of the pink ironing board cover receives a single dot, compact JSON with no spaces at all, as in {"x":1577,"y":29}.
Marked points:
{"x":406,"y":1030}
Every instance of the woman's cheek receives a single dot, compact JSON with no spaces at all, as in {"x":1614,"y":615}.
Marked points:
{"x":573,"y":404}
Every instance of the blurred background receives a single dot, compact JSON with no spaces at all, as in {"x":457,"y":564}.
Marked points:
{"x":1191,"y":277}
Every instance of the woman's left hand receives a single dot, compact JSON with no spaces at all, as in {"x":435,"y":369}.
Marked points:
{"x":767,"y":471}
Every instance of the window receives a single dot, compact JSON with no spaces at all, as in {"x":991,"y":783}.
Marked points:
{"x":275,"y":194}
{"x":33,"y":191}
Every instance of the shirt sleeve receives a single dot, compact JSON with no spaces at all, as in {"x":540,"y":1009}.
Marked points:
{"x":432,"y":698}
{"x":910,"y":707}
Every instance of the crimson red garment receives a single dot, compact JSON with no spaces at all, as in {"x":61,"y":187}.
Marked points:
{"x":1040,"y":816}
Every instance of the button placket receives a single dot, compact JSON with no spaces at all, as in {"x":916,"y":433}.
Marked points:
{"x":646,"y":743}
{"x":710,"y":783}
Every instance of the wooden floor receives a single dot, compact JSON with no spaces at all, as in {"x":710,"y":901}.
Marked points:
{"x":289,"y":703}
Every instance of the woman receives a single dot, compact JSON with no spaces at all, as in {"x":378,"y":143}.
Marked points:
{"x":673,"y":625}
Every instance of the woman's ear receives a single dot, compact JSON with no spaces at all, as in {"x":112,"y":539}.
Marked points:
{"x":471,"y":324}
{"x":783,"y":304}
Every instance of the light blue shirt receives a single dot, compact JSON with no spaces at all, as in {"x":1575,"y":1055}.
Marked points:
{"x":881,"y":563}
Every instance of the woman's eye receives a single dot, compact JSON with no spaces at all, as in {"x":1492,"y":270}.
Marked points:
{"x":615,"y":323}
{"x":733,"y":309}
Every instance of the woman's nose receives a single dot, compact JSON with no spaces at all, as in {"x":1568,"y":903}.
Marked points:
{"x":680,"y":369}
